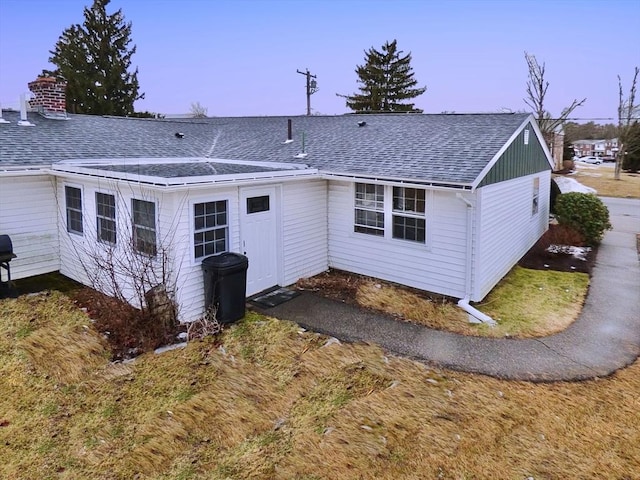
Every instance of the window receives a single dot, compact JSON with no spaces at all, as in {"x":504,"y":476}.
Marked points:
{"x":526,"y":136}
{"x":406,"y":207}
{"x":144,"y":226}
{"x":210,"y":228}
{"x":369,"y":214}
{"x":408,"y":214}
{"x":73,"y":198}
{"x":258,"y":204}
{"x":536,"y":196}
{"x":106,"y":217}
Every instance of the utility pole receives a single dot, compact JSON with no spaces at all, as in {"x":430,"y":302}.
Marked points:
{"x":312,"y":87}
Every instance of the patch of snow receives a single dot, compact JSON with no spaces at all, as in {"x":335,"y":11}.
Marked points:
{"x":567,"y":185}
{"x":579,"y":253}
{"x":331,"y":341}
{"x":170,"y":347}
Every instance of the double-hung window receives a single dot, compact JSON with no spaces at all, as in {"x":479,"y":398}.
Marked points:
{"x":369,"y":212}
{"x":144,"y":226}
{"x":211,"y":227}
{"x":408,"y":214}
{"x":106,"y":217}
{"x":391,"y":212}
{"x":73,"y":200}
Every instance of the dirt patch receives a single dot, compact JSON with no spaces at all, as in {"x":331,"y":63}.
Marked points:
{"x":128,"y":330}
{"x":344,"y":287}
{"x":539,"y":258}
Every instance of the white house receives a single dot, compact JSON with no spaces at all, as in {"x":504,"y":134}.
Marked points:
{"x":444,"y":203}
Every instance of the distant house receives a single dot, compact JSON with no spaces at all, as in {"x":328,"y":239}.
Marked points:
{"x":597,"y":148}
{"x":443,"y":203}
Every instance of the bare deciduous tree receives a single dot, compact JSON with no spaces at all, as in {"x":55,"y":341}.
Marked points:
{"x":112,"y":262}
{"x":198,"y":111}
{"x":536,"y":92}
{"x":627,"y":110}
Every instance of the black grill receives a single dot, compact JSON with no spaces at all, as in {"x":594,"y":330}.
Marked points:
{"x":6,"y":255}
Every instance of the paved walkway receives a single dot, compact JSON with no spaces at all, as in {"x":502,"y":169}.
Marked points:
{"x":604,"y":339}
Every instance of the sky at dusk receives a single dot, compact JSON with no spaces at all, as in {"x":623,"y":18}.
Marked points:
{"x":239,"y":58}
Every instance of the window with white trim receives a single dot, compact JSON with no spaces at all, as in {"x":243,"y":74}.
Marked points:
{"x":369,"y":211}
{"x":144,"y":226}
{"x":106,"y":218}
{"x":536,"y":196}
{"x":73,"y":201}
{"x":408,"y":214}
{"x":392,"y":212}
{"x":211,"y":228}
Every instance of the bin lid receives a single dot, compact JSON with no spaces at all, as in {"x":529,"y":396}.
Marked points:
{"x":225,"y":260}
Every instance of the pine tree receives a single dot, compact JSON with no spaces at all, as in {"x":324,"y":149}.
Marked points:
{"x":386,"y":82}
{"x":94,"y":58}
{"x":631,"y":154}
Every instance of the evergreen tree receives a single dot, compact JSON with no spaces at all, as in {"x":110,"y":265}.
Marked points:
{"x":386,"y":82}
{"x":567,"y":150}
{"x":94,"y":58}
{"x":631,"y":142}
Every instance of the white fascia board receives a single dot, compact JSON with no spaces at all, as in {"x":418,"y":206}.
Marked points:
{"x":530,"y":119}
{"x":397,"y":181}
{"x":23,"y":170}
{"x":87,"y":171}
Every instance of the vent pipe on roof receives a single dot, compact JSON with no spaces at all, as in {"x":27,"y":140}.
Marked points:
{"x":2,"y":120}
{"x":24,"y":121}
{"x":289,"y":132}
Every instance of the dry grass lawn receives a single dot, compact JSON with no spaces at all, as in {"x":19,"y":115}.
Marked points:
{"x":526,"y":303}
{"x":267,"y":400}
{"x":601,"y":178}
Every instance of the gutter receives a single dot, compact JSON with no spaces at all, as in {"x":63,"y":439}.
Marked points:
{"x":25,"y":171}
{"x":463,"y":303}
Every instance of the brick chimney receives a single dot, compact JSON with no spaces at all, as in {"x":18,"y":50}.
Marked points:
{"x":49,"y":96}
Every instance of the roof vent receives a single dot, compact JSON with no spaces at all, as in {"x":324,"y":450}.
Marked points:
{"x":362,"y":123}
{"x":2,"y":120}
{"x":289,"y":133}
{"x":179,"y":135}
{"x":24,"y":121}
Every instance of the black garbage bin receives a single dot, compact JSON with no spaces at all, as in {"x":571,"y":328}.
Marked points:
{"x":225,"y":285}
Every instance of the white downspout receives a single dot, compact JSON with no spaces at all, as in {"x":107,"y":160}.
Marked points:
{"x":463,"y":303}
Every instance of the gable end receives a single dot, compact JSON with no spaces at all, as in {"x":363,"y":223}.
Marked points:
{"x":519,"y":159}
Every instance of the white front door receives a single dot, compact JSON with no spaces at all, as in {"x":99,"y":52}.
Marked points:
{"x":259,"y":236}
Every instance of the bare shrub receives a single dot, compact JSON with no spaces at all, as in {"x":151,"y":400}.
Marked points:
{"x":206,"y":326}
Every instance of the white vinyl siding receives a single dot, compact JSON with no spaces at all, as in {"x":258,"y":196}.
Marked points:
{"x":178,"y":217}
{"x":28,"y":214}
{"x":304,"y":229}
{"x":438,"y":266}
{"x":506,"y":229}
{"x":84,"y":258}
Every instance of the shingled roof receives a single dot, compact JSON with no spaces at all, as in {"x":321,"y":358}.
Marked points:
{"x":442,"y":148}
